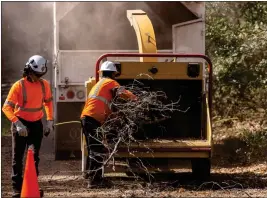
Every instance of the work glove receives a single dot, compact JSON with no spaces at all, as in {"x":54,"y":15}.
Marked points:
{"x":21,"y":129}
{"x":121,"y":90}
{"x":49,"y":127}
{"x":117,"y":91}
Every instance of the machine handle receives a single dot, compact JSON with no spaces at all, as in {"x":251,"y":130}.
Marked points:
{"x":207,"y":59}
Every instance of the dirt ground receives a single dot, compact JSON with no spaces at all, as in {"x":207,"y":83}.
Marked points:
{"x":63,"y":179}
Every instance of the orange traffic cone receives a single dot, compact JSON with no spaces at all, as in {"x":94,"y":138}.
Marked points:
{"x":30,"y":186}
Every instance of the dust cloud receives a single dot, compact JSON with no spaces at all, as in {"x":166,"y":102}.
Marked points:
{"x":104,"y":25}
{"x":27,"y":29}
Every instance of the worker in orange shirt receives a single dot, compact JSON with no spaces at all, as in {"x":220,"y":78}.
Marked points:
{"x":24,"y":108}
{"x":96,"y":110}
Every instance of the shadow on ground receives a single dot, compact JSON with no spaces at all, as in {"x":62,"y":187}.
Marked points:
{"x":163,"y":182}
{"x":233,"y":151}
{"x":186,"y":180}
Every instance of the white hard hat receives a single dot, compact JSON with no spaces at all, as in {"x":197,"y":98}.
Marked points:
{"x":108,"y":66}
{"x":38,"y":64}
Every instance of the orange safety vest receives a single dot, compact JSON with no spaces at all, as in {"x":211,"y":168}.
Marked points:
{"x":98,"y":103}
{"x":26,"y":100}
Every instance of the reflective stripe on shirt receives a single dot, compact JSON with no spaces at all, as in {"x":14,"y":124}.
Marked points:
{"x":24,"y":95}
{"x":10,"y":104}
{"x":100,"y":97}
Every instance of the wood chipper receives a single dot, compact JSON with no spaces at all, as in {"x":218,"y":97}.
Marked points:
{"x":187,"y":135}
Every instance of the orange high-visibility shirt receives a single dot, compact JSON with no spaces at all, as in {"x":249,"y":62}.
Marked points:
{"x":26,"y":100}
{"x":99,"y":99}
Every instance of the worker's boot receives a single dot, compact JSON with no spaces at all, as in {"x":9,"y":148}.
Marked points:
{"x":92,"y":183}
{"x":105,"y":183}
{"x":99,"y":183}
{"x":85,"y":175}
{"x":94,"y":179}
{"x":41,"y":192}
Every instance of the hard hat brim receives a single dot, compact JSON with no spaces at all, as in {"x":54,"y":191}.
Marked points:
{"x":107,"y":70}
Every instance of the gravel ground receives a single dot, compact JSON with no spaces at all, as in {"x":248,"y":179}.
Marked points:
{"x":63,"y":179}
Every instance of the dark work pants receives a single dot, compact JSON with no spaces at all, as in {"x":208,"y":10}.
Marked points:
{"x":94,"y":147}
{"x":19,"y":143}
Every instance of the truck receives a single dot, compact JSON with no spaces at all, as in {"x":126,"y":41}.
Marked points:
{"x":141,"y":37}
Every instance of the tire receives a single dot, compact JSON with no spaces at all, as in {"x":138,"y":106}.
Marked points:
{"x":201,"y":168}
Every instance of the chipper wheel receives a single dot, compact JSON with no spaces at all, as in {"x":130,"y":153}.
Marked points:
{"x":201,"y":168}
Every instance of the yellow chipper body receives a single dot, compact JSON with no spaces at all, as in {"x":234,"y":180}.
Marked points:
{"x":187,"y":135}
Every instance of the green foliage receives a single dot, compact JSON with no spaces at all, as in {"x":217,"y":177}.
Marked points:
{"x":255,"y":145}
{"x":236,"y":41}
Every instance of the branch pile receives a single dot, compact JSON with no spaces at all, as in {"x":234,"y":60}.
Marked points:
{"x":129,"y":116}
